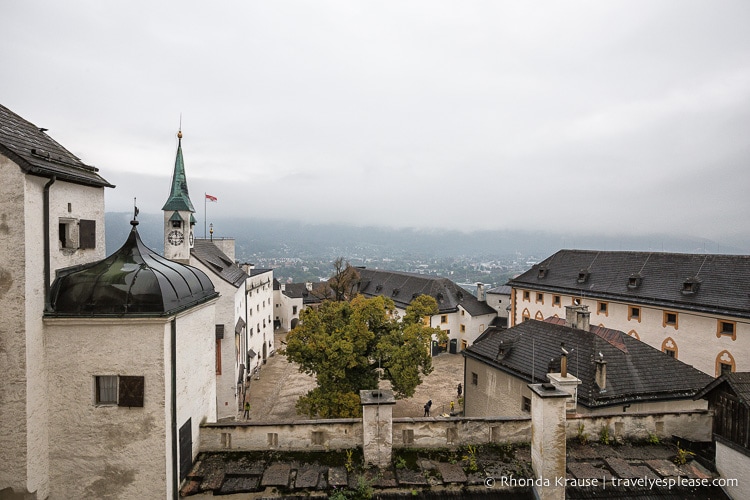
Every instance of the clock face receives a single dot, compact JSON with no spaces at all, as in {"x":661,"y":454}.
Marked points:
{"x":191,"y":239}
{"x":175,"y":238}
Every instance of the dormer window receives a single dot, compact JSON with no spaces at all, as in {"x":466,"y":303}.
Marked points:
{"x":394,"y":292}
{"x":583,"y":275}
{"x":690,"y":286}
{"x":378,"y":288}
{"x":634,"y":281}
{"x":542,"y":272}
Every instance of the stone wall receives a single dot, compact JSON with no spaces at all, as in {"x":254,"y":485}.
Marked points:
{"x":291,"y":435}
{"x":437,"y":432}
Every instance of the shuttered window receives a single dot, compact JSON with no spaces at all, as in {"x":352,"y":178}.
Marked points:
{"x":86,"y":233}
{"x":119,"y":390}
{"x":131,"y":391}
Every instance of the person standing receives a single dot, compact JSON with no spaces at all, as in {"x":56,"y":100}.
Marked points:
{"x":459,"y":389}
{"x":246,"y":415}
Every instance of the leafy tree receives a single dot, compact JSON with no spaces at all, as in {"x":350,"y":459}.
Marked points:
{"x":343,"y":344}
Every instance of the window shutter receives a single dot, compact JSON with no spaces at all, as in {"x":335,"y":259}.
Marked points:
{"x":86,"y":233}
{"x":131,"y":391}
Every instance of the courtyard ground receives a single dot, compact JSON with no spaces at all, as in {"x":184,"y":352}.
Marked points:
{"x":275,"y":393}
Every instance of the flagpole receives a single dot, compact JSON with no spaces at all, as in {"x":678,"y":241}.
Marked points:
{"x":204,"y":214}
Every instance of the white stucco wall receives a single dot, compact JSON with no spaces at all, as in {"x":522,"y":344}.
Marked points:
{"x":731,"y":463}
{"x":498,"y":393}
{"x":695,"y":335}
{"x":106,"y":451}
{"x":259,"y":290}
{"x":229,"y":308}
{"x":13,"y":288}
{"x":196,"y":373}
{"x":23,"y":389}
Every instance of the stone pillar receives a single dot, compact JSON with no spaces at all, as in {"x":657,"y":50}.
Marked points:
{"x":548,"y":440}
{"x":569,"y":384}
{"x":377,"y":426}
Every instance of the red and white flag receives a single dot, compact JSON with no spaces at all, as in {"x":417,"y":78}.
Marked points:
{"x":211,"y":198}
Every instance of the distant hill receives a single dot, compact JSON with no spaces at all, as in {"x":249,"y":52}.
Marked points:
{"x":280,"y":238}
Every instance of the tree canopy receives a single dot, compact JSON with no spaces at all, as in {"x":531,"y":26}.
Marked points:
{"x":348,"y":346}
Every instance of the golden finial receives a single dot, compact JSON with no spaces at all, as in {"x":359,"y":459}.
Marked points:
{"x":179,"y":134}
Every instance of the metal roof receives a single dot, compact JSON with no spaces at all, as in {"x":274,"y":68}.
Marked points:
{"x":133,"y":281}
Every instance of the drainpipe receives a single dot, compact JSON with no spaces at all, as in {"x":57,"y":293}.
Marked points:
{"x":173,"y":397}
{"x":47,"y":251}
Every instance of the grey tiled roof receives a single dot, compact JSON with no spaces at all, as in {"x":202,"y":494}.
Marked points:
{"x":298,"y":291}
{"x":501,"y":290}
{"x":218,"y":262}
{"x":403,"y":287}
{"x":724,"y":280}
{"x":38,"y":154}
{"x":636,"y":372}
{"x":739,"y":382}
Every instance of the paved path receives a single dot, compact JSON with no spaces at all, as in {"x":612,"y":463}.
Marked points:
{"x":274,"y":395}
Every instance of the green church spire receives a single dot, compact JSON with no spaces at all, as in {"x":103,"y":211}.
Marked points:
{"x":179,"y":199}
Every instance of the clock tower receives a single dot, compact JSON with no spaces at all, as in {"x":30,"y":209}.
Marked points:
{"x":178,"y":213}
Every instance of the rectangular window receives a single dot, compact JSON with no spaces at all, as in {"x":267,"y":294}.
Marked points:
{"x":670,"y":319}
{"x":726,"y":328}
{"x":526,"y":295}
{"x":540,"y":298}
{"x":671,"y":353}
{"x":725,"y":368}
{"x":318,"y":438}
{"x":106,"y":390}
{"x":525,"y":404}
{"x":634,"y":313}
{"x":474,"y":378}
{"x":120,"y":390}
{"x":68,"y":233}
{"x":463,"y":328}
{"x":602,"y":308}
{"x":444,"y":318}
{"x":463,"y":313}
{"x":556,"y":300}
{"x":294,"y":309}
{"x":464,"y":345}
{"x":218,"y":357}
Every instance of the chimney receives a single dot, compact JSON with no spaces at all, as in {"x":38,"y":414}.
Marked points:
{"x":247,"y":267}
{"x":283,"y":287}
{"x":563,"y":362}
{"x":601,"y":373}
{"x":308,"y":285}
{"x":481,"y":295}
{"x":577,"y":317}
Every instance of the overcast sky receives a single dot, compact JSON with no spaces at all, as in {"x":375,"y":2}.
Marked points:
{"x":616,"y":117}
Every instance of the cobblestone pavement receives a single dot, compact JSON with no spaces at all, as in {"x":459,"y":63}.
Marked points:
{"x":275,"y":393}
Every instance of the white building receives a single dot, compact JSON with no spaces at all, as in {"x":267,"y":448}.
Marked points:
{"x":129,"y":343}
{"x":289,"y":301}
{"x":99,"y":368}
{"x":460,"y":314}
{"x":694,"y":307}
{"x":244,"y":326}
{"x":51,"y":216}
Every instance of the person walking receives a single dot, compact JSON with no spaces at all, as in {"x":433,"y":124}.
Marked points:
{"x":246,"y":415}
{"x":427,"y":408}
{"x":459,"y":389}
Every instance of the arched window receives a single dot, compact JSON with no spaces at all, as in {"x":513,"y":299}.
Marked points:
{"x":669,"y":346}
{"x":634,"y":334}
{"x":539,"y":316}
{"x":724,"y":363}
{"x":525,"y":315}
